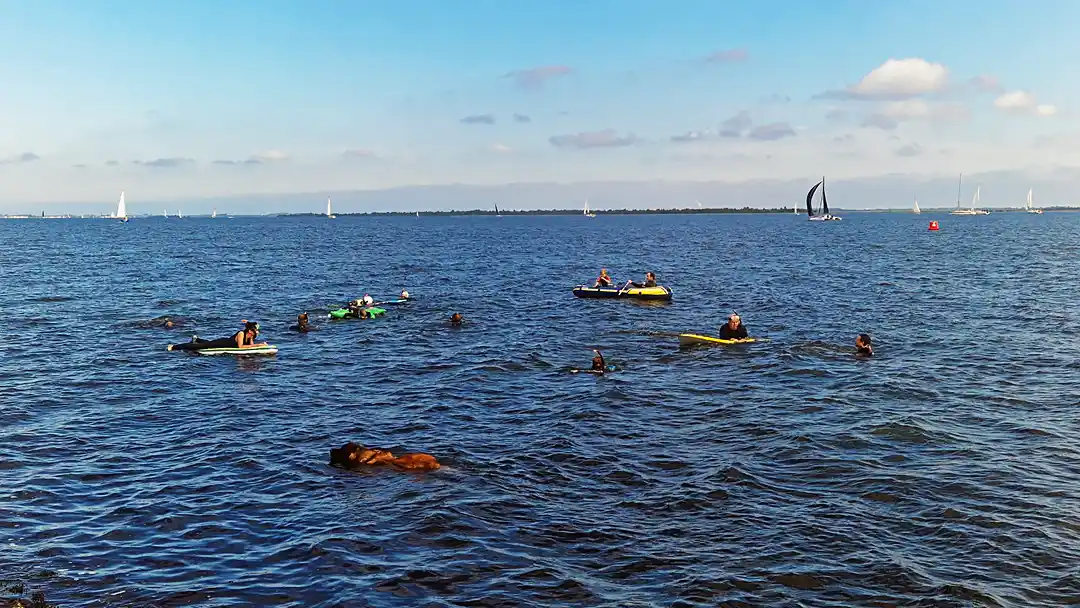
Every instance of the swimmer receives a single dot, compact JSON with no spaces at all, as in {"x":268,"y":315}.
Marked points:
{"x":863,"y":346}
{"x":353,"y":455}
{"x":456,"y":319}
{"x":404,"y":295}
{"x":733,"y":329}
{"x":598,"y":364}
{"x":368,"y":300}
{"x":301,"y":323}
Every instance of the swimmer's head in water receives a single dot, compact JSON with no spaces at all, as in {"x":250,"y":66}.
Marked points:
{"x":734,"y":320}
{"x":352,"y":455}
{"x":404,"y":295}
{"x":863,"y":341}
{"x":302,"y":318}
{"x":169,"y":324}
{"x":456,"y":318}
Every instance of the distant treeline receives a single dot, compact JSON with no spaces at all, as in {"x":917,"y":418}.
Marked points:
{"x":554,"y":212}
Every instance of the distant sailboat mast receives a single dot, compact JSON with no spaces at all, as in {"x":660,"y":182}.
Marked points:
{"x":916,"y":209}
{"x":329,"y":211}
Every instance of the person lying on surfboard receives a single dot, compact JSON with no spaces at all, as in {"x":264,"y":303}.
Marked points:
{"x":404,"y":295}
{"x":353,"y":456}
{"x":733,"y":329}
{"x":604,"y":280}
{"x":241,"y":339}
{"x":863,"y":346}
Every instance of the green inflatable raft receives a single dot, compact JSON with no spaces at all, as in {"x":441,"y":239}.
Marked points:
{"x":345,"y":313}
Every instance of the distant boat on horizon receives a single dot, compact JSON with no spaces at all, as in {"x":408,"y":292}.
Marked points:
{"x":824,"y":216}
{"x":214,"y":214}
{"x":1029,"y":208}
{"x":329,"y":212}
{"x":974,"y":202}
{"x":916,"y":209}
{"x":121,"y":209}
{"x":497,"y":214}
{"x":586,"y":210}
{"x":165,"y":213}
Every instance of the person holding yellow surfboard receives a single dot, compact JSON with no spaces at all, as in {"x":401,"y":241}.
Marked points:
{"x":733,"y":329}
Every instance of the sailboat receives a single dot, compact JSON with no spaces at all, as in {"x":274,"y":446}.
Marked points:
{"x":1029,"y":208}
{"x":497,"y":214}
{"x":974,"y":201}
{"x":214,"y":214}
{"x":825,"y":215}
{"x":417,"y":214}
{"x":121,"y":209}
{"x":586,"y":211}
{"x":179,"y":214}
{"x":165,"y":214}
{"x":329,"y":212}
{"x":916,"y":209}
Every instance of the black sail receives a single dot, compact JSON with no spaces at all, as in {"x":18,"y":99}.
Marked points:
{"x":824,"y":201}
{"x":810,"y":199}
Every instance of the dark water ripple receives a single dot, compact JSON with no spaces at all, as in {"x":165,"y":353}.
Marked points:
{"x":785,"y":472}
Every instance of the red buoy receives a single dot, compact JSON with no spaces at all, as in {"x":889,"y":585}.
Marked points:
{"x":933,"y":225}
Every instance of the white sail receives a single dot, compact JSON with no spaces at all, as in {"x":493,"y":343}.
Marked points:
{"x":179,"y":214}
{"x":916,"y":209}
{"x":214,"y":214}
{"x":329,"y":212}
{"x":165,"y":213}
{"x":586,"y":211}
{"x":121,"y":207}
{"x":975,"y":199}
{"x":1030,"y":207}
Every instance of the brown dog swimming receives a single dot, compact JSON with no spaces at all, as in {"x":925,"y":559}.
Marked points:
{"x":353,"y":456}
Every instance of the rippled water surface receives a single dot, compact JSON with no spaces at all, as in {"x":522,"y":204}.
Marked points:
{"x":942,"y":472}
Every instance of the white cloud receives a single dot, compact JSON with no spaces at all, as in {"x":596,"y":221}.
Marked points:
{"x":271,"y":156}
{"x":500,"y":148}
{"x":903,"y":78}
{"x":906,"y":110}
{"x":1023,"y":102}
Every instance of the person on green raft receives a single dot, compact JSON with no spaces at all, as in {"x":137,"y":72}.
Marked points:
{"x":733,"y":329}
{"x":356,"y":307}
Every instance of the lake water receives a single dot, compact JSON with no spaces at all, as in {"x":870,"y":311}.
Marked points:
{"x":941,"y":472}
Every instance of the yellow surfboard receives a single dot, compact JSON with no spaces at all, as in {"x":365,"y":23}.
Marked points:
{"x":692,"y":339}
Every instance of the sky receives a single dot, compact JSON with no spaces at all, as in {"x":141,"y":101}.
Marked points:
{"x":182,"y":103}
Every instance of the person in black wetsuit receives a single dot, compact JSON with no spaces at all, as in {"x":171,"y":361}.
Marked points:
{"x":244,"y":338}
{"x":302,"y":325}
{"x":733,"y":329}
{"x":863,"y":347}
{"x":598,"y":364}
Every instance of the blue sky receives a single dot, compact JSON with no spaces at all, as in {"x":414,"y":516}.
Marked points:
{"x":172,"y":100}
